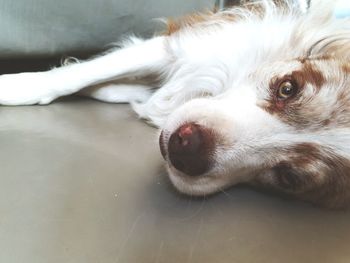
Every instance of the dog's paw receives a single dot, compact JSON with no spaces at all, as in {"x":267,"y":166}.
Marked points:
{"x":26,"y":89}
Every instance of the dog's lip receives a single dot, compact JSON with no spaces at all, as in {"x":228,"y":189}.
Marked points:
{"x":198,"y":186}
{"x":162,"y":146}
{"x":177,"y":173}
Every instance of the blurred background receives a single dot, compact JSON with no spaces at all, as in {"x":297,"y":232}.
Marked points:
{"x":38,"y":33}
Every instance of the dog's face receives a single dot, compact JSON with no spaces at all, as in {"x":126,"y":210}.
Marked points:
{"x":285,"y":126}
{"x":283,"y":119}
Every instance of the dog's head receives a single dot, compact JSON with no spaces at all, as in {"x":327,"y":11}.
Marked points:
{"x":285,"y":124}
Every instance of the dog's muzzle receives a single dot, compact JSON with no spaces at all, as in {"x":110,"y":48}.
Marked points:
{"x":189,"y":149}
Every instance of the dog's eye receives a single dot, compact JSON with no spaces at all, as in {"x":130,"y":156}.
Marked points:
{"x":286,"y":90}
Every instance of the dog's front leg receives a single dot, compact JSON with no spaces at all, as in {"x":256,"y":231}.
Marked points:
{"x":141,"y":58}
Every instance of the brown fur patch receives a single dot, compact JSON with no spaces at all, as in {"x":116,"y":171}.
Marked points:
{"x":346,"y":68}
{"x":175,"y":25}
{"x":307,"y":153}
{"x":191,"y":20}
{"x":312,"y":173}
{"x":309,"y":75}
{"x":325,"y":175}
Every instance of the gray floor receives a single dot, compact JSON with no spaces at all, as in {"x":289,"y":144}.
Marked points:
{"x":82,"y":181}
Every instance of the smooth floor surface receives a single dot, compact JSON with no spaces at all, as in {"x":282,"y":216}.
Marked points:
{"x":82,"y":182}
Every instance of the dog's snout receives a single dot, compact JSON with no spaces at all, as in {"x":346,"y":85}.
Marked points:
{"x":190,"y":149}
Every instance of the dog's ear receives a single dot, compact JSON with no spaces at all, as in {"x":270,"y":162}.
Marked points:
{"x":311,"y":173}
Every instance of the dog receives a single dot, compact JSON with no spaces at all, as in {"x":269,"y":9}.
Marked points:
{"x":257,"y":94}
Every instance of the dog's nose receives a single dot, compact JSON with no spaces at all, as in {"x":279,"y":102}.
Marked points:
{"x":190,"y":149}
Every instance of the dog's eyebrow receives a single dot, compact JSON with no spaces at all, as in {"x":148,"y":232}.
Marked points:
{"x":309,"y":74}
{"x":325,"y":43}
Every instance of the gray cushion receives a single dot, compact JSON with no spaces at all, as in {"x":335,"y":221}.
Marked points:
{"x":50,"y":27}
